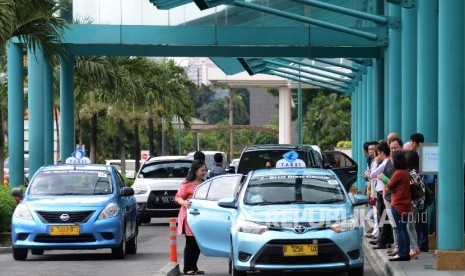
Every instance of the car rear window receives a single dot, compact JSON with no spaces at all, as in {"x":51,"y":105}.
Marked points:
{"x":165,"y":169}
{"x":255,"y":160}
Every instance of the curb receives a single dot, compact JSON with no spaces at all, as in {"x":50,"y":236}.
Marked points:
{"x":379,"y":260}
{"x":5,"y":250}
{"x":171,"y":269}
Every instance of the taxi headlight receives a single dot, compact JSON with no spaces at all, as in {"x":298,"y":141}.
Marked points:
{"x":344,"y":225}
{"x":139,"y":190}
{"x":22,"y":212}
{"x":251,"y":227}
{"x":111,"y":210}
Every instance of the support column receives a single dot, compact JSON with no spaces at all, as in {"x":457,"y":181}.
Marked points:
{"x":451,"y":88}
{"x":67,"y":142}
{"x":378,"y":99}
{"x":409,"y":72}
{"x":394,"y":75}
{"x":359,"y":149}
{"x":49,"y":134}
{"x":284,"y":115}
{"x":15,"y":114}
{"x":427,"y":66}
{"x":36,"y":59}
{"x":369,"y":105}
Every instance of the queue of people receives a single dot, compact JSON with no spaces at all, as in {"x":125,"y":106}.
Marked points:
{"x":399,"y":222}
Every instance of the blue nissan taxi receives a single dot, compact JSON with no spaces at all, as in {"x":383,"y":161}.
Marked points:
{"x":279,"y":220}
{"x":76,"y":205}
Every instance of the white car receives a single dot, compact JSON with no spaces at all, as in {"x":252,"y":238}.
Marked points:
{"x":130,"y":166}
{"x":156,"y":185}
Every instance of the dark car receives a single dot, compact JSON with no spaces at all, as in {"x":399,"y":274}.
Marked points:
{"x":257,"y":157}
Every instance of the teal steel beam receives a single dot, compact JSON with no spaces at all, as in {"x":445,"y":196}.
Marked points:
{"x":15,"y":114}
{"x":282,"y":64}
{"x":315,"y":22}
{"x":369,"y":106}
{"x":48,"y":146}
{"x":371,"y":17}
{"x":427,"y":81}
{"x":308,"y":77}
{"x":409,"y":72}
{"x":395,"y":74}
{"x":347,"y":66}
{"x":67,"y":142}
{"x":451,"y":126}
{"x":378,"y":98}
{"x":299,"y":112}
{"x":35,"y":61}
{"x":313,"y":83}
{"x":329,"y":70}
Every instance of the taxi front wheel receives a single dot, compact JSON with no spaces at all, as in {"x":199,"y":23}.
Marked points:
{"x":120,"y":251}
{"x":20,"y":254}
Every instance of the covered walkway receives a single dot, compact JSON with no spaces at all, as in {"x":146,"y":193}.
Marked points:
{"x":403,"y":67}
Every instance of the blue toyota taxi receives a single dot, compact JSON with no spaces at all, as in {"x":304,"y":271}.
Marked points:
{"x":279,"y":220}
{"x":75,"y":205}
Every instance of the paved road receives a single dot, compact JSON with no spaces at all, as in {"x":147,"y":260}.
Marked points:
{"x":152,"y":255}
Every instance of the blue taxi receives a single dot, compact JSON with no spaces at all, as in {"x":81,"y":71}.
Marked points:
{"x":75,"y":205}
{"x":279,"y":220}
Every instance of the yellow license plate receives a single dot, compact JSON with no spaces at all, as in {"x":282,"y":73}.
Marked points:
{"x":300,"y":250}
{"x":62,"y":230}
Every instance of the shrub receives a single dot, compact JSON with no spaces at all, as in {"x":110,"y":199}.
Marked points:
{"x":7,"y":206}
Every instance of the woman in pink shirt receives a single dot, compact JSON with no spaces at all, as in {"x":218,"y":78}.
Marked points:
{"x":186,"y":191}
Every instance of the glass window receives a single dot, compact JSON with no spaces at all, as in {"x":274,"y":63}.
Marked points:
{"x":202,"y":190}
{"x":223,"y":187}
{"x":167,"y":169}
{"x":288,"y":189}
{"x":71,"y":182}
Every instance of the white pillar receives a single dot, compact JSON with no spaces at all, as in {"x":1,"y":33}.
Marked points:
{"x":284,"y":115}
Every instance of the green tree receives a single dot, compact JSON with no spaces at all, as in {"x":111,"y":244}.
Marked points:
{"x":327,"y":120}
{"x":33,"y":22}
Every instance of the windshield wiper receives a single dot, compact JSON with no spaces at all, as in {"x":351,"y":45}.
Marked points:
{"x":284,"y":202}
{"x":330,"y":200}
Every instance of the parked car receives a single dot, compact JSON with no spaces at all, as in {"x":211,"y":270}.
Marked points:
{"x":156,"y":184}
{"x":257,"y":156}
{"x":130,"y":166}
{"x":75,"y":206}
{"x":6,"y":170}
{"x":279,"y":220}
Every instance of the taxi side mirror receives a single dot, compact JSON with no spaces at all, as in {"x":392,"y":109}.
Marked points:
{"x":127,"y":191}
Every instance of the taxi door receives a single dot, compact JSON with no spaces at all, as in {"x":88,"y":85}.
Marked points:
{"x":344,"y":167}
{"x":210,"y":223}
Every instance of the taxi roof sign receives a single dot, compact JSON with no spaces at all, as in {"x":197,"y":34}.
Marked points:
{"x":78,"y":157}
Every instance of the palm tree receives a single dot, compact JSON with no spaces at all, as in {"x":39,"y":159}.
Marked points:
{"x":92,"y":74}
{"x":3,"y":108}
{"x":33,"y":22}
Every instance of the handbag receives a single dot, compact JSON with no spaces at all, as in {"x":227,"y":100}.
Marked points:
{"x":416,"y":191}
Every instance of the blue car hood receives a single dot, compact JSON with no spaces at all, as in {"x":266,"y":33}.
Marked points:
{"x":68,"y":201}
{"x":297,"y":212}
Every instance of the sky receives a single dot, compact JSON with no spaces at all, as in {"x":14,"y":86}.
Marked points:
{"x":135,"y":12}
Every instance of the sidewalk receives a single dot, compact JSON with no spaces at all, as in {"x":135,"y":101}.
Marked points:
{"x":424,"y":266}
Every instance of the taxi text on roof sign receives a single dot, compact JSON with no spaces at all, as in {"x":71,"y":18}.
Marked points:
{"x":78,"y":157}
{"x":290,"y":160}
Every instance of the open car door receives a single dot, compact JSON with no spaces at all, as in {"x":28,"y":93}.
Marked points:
{"x":209,"y":222}
{"x":344,"y":166}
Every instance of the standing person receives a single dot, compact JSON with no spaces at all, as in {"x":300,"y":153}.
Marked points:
{"x":428,"y":207}
{"x":217,"y":165}
{"x":198,"y":155}
{"x":183,"y":196}
{"x":417,"y":205}
{"x":401,"y":206}
{"x":385,"y":230}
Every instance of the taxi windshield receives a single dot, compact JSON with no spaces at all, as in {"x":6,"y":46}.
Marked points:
{"x":293,"y":189}
{"x":72,"y":182}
